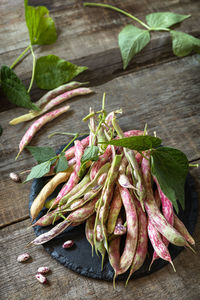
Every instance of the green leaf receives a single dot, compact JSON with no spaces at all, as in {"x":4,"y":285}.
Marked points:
{"x":41,"y":27}
{"x":170,"y":167}
{"x":52,"y":71}
{"x":62,"y":163}
{"x":138,"y":143}
{"x":90,"y":153}
{"x":41,"y":154}
{"x":14,"y":89}
{"x":183,"y":44}
{"x":131,"y":41}
{"x":39,"y":170}
{"x":1,"y":130}
{"x":164,"y":19}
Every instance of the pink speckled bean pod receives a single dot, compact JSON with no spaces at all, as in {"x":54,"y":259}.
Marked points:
{"x":38,"y":124}
{"x":65,"y":96}
{"x":76,"y":216}
{"x":142,"y":244}
{"x":105,"y":157}
{"x":42,"y":101}
{"x":157,"y":243}
{"x":114,"y":210}
{"x":58,"y":91}
{"x":69,"y":153}
{"x":158,"y":203}
{"x":89,"y":230}
{"x":74,"y":178}
{"x":180,"y":227}
{"x":132,"y":232}
{"x":157,"y":219}
{"x":167,"y":210}
{"x":92,"y":128}
{"x":167,"y":207}
{"x":114,"y":255}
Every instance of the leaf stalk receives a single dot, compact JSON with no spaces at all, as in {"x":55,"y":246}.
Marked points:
{"x":118,"y":10}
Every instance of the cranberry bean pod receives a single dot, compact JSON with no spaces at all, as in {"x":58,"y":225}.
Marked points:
{"x":132,"y":232}
{"x":76,"y":216}
{"x":142,"y":244}
{"x":92,"y":127}
{"x":101,"y":249}
{"x":78,"y":187}
{"x":158,"y":203}
{"x":69,"y":153}
{"x":46,"y":191}
{"x":115,"y":208}
{"x":107,"y":193}
{"x":67,"y":95}
{"x":74,"y":197}
{"x":58,"y":91}
{"x":82,"y":213}
{"x":67,"y":201}
{"x":53,"y":102}
{"x":180,"y":227}
{"x":134,"y":165}
{"x":49,"y":235}
{"x":89,"y":230}
{"x":154,"y":213}
{"x":114,"y":255}
{"x":38,"y":124}
{"x":167,"y":207}
{"x":104,"y":158}
{"x":158,"y":244}
{"x":87,"y":197}
{"x":74,"y":177}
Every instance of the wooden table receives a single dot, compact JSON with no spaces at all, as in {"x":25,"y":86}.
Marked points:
{"x":157,"y":88}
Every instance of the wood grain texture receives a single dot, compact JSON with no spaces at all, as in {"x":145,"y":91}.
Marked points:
{"x":157,"y":88}
{"x":88,"y":36}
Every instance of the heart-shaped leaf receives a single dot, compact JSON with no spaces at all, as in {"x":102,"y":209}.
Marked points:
{"x":52,"y":71}
{"x":41,"y":27}
{"x":170,"y":167}
{"x":14,"y":89}
{"x":183,"y":44}
{"x":131,"y":41}
{"x":164,"y":19}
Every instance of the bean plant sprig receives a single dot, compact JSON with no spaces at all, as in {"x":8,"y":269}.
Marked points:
{"x":46,"y":156}
{"x":132,"y":39}
{"x":48,"y":72}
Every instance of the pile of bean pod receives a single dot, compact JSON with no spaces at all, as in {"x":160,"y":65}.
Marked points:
{"x":116,"y":196}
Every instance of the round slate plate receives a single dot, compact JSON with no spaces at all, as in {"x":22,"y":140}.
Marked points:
{"x":79,"y":257}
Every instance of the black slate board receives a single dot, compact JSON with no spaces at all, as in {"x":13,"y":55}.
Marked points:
{"x":79,"y":257}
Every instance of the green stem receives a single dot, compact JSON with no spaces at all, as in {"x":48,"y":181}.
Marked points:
{"x":77,"y":135}
{"x":194,"y":165}
{"x":20,"y":57}
{"x":159,"y":29}
{"x":33,"y":70}
{"x":66,"y":133}
{"x":118,"y":10}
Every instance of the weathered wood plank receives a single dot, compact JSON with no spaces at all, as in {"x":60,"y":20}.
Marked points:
{"x":17,"y":280}
{"x":148,"y":96}
{"x":88,"y":36}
